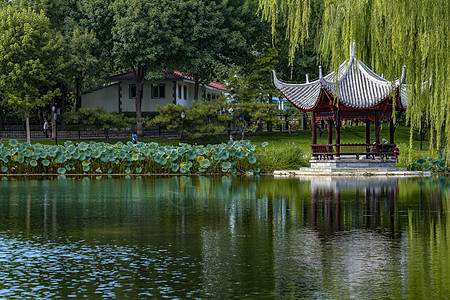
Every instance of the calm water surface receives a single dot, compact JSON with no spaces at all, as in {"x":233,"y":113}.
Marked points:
{"x":225,"y":237}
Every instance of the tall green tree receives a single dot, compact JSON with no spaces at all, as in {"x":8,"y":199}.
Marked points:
{"x":30,"y":60}
{"x":388,"y":35}
{"x":146,"y":38}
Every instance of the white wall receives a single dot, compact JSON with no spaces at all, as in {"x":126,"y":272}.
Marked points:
{"x":107,"y":97}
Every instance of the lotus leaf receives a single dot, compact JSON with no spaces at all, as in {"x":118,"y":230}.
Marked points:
{"x":175,"y":167}
{"x":83,"y":156}
{"x":21,"y":158}
{"x":205,"y":163}
{"x":29,"y":153}
{"x":427,"y":167}
{"x":135,"y":157}
{"x":441,"y":165}
{"x":138,"y":169}
{"x":4,"y":169}
{"x":191,"y":155}
{"x":252,"y":159}
{"x":98,"y":170}
{"x":76,"y":156}
{"x":86,"y":168}
{"x":420,"y":162}
{"x":201,"y":170}
{"x":264,"y":144}
{"x":33,"y":163}
{"x":201,"y":151}
{"x":71,"y":149}
{"x":128,"y":170}
{"x":60,"y":160}
{"x":12,"y":151}
{"x":110,"y":170}
{"x":83,"y":146}
{"x":226,"y":165}
{"x":1,"y":145}
{"x":5,"y":160}
{"x":45,"y":162}
{"x":257,"y":170}
{"x":96,"y":154}
{"x":13,"y":143}
{"x":61,"y":170}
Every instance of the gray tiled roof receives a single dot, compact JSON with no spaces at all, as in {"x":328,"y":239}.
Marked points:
{"x":355,"y":86}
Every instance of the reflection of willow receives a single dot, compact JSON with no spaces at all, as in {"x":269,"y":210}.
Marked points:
{"x":428,"y":241}
{"x":369,"y":202}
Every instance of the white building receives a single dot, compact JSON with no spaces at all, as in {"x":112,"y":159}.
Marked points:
{"x":119,"y":96}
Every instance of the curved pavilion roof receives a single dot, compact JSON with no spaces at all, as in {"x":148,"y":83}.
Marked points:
{"x":354,"y":84}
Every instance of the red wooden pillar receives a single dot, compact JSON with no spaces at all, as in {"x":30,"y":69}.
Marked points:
{"x":391,"y":131}
{"x":313,"y":132}
{"x":330,"y":135}
{"x":338,"y":131}
{"x":377,"y":132}
{"x":367,"y":135}
{"x":313,"y":128}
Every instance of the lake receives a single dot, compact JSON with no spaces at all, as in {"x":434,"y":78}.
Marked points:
{"x":225,"y":237}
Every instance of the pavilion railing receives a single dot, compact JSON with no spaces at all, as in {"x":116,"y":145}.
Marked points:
{"x":329,"y":151}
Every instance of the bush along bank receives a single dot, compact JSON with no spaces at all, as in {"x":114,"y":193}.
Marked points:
{"x":234,"y":157}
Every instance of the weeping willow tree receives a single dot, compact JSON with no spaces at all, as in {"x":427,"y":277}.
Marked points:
{"x":388,"y":35}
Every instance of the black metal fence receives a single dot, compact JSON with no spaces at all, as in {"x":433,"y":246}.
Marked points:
{"x":17,"y":132}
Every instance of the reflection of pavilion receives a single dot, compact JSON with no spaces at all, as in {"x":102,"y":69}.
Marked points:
{"x":368,"y":201}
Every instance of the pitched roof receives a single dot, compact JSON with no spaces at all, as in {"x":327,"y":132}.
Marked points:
{"x":176,"y":75}
{"x":354,"y":84}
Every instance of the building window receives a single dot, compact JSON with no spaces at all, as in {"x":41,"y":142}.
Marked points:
{"x":179,"y":92}
{"x":132,"y":91}
{"x":159,"y":91}
{"x":184,"y":92}
{"x":208,"y":96}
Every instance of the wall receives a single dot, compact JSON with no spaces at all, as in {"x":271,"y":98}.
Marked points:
{"x":106,"y":97}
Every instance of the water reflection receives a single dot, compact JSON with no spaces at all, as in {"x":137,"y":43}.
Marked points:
{"x":223,"y":237}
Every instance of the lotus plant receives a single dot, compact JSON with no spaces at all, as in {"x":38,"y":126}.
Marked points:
{"x":235,"y":157}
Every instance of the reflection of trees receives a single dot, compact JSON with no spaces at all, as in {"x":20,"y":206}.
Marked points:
{"x":315,"y":238}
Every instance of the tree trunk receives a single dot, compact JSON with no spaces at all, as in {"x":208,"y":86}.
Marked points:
{"x":2,"y":126}
{"x":41,"y":118}
{"x":434,"y":139}
{"x":196,"y":88}
{"x":64,"y":104}
{"x":139,"y":79}
{"x":27,"y":126}
{"x":77,"y":95}
{"x":269,"y":123}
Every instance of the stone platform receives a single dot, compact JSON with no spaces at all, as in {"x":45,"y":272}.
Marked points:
{"x":352,"y":163}
{"x":353,"y":167}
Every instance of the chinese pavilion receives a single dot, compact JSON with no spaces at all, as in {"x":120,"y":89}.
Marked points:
{"x":353,"y":92}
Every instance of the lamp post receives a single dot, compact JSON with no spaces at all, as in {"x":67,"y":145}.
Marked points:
{"x":183,"y":115}
{"x":55,"y":115}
